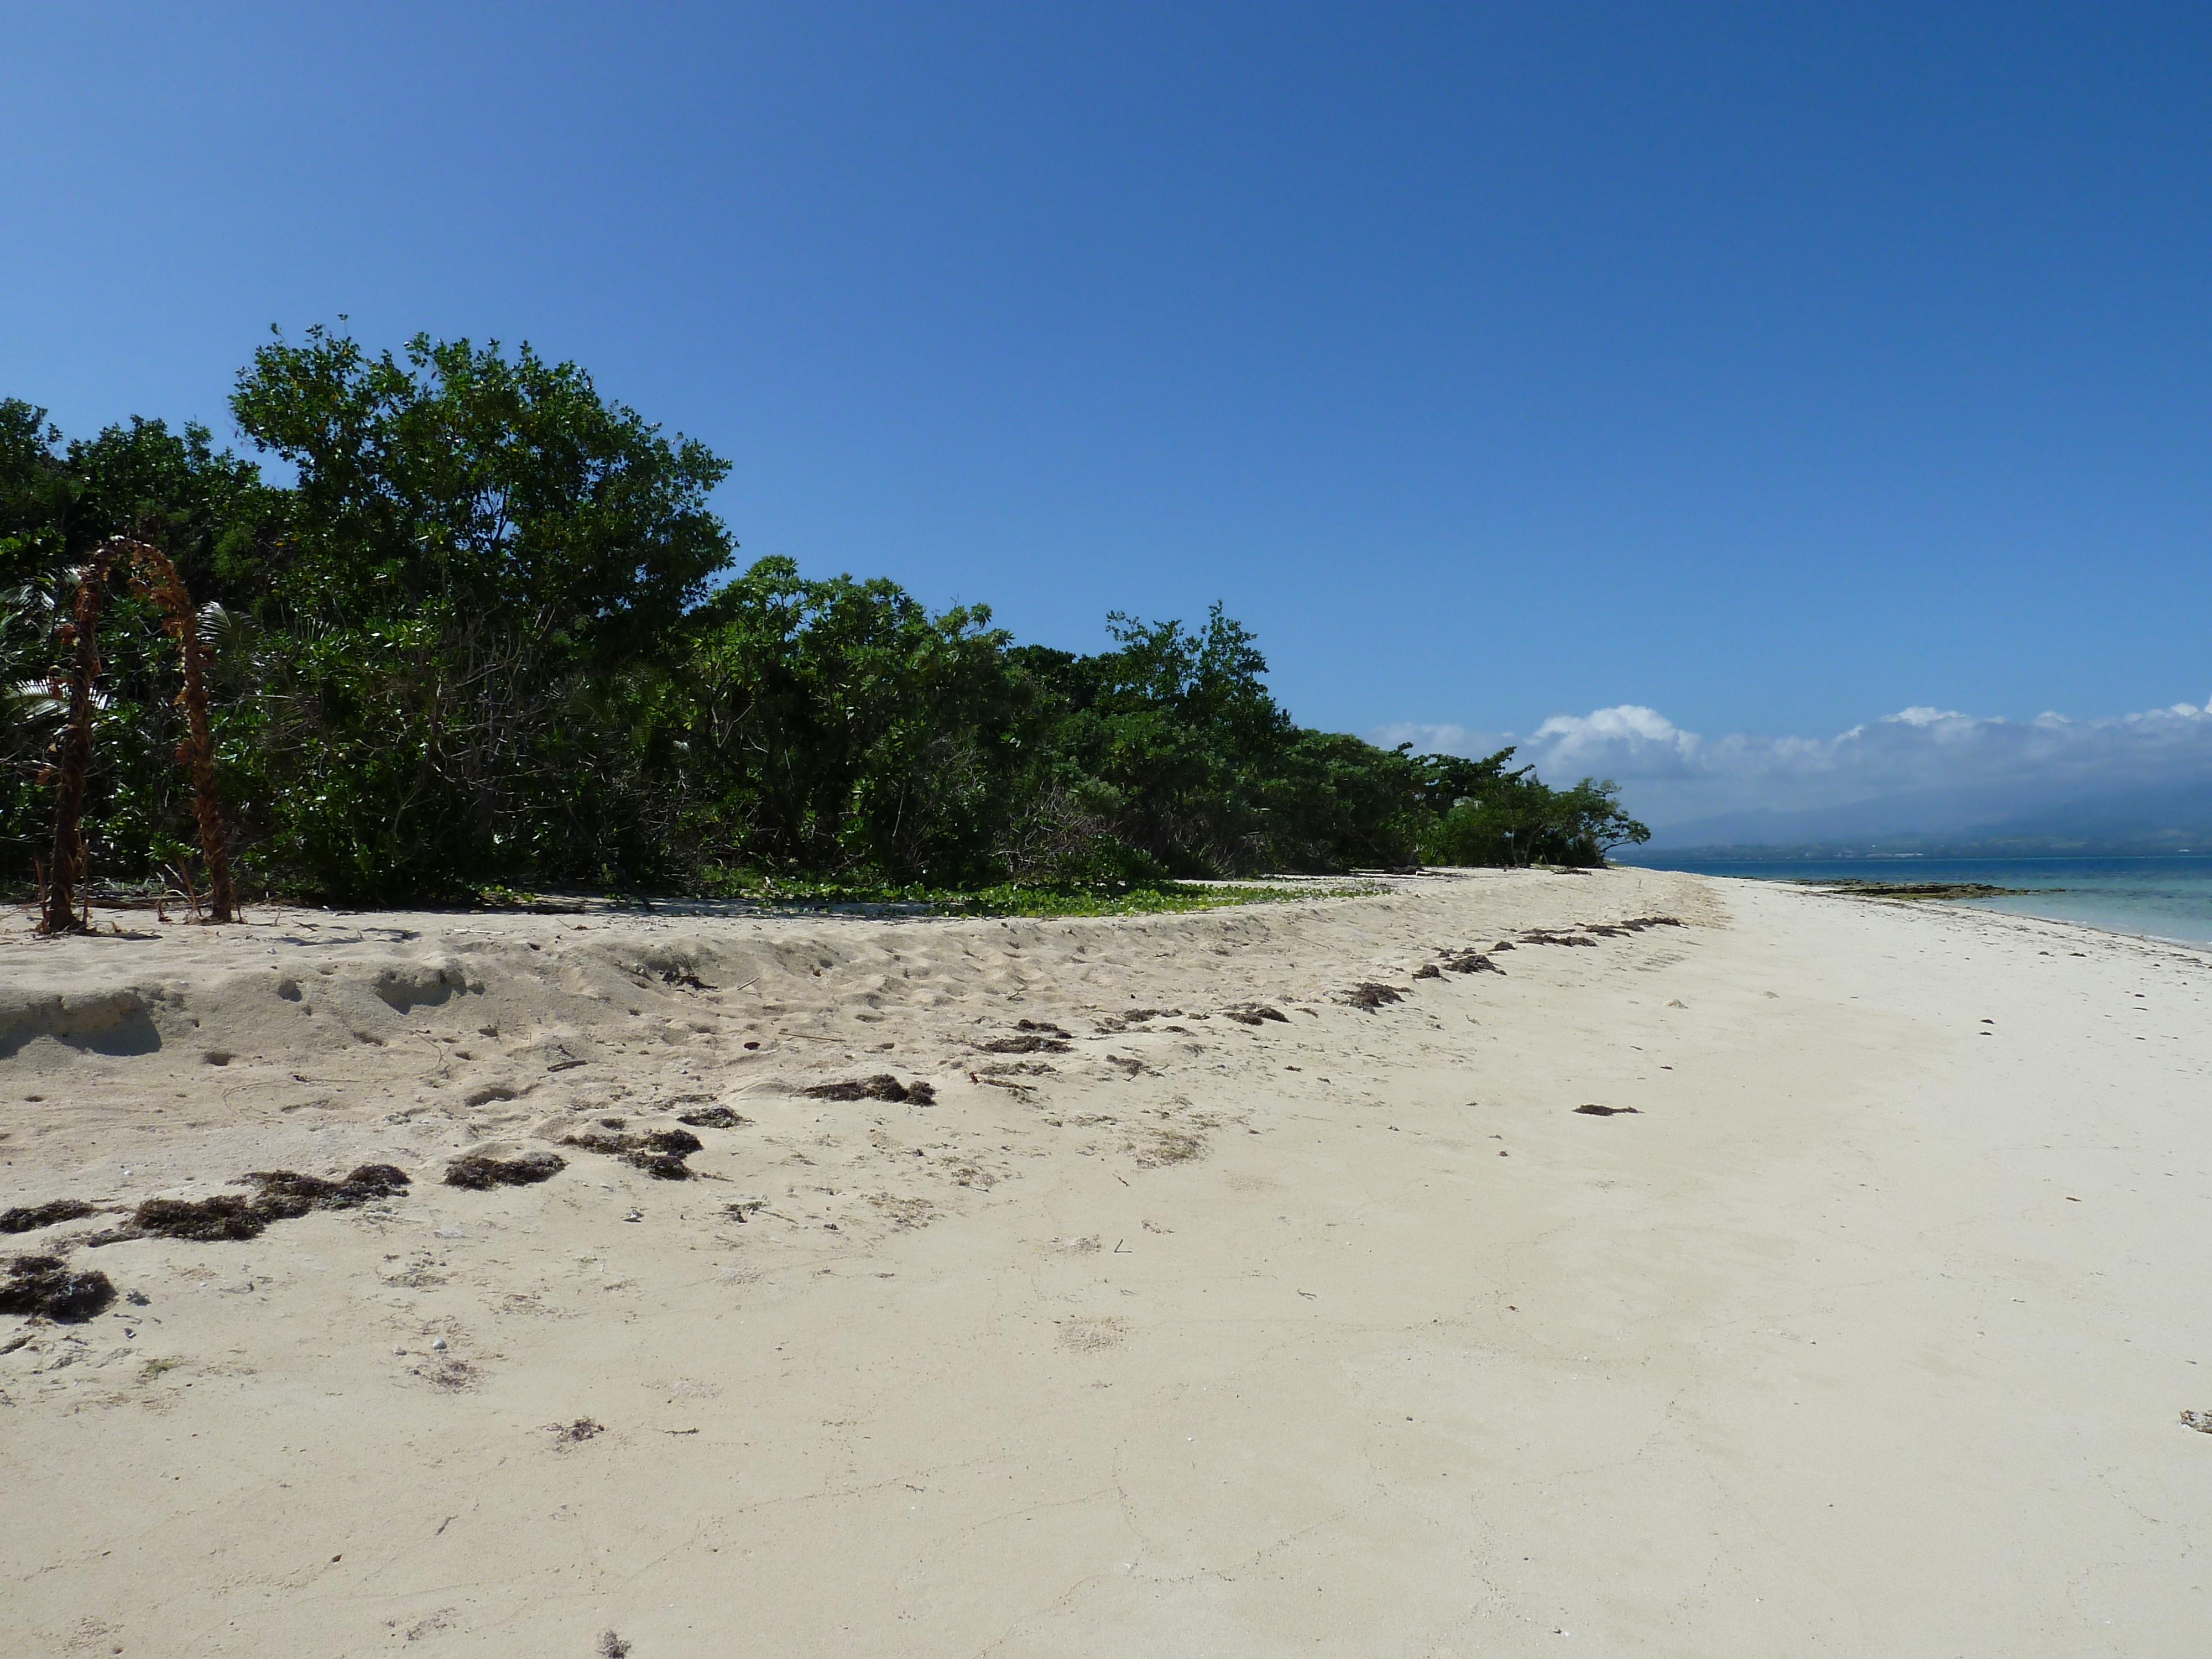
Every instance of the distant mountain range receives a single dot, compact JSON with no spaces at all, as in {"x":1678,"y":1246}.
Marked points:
{"x":1976,"y":823}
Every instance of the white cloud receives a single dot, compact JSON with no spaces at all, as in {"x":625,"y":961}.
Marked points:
{"x":1976,"y":762}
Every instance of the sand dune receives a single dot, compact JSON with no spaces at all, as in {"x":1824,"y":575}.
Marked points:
{"x":1244,"y":1283}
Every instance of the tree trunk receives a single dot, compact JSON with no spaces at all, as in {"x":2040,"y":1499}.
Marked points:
{"x":75,"y":766}
{"x":197,"y":751}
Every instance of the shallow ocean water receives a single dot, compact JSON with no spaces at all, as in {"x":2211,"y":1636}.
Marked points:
{"x":2166,"y":897}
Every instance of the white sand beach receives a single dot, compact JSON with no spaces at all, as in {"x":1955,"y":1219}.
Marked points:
{"x":1861,"y":1324}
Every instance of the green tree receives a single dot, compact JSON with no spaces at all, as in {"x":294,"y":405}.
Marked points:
{"x":481,"y":563}
{"x":210,"y":511}
{"x":1487,"y":812}
{"x":837,"y":725}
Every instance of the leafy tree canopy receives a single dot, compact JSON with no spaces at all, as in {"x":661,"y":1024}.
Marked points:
{"x":476,"y":640}
{"x":453,"y":479}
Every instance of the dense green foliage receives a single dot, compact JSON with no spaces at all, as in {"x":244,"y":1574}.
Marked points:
{"x":479,"y":639}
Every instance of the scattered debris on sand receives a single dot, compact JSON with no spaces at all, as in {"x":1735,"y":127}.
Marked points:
{"x":30,"y":1218}
{"x":45,"y":1287}
{"x":479,"y":1173}
{"x":443,"y":1371}
{"x":2200,"y":1421}
{"x":576,"y":1433}
{"x":1163,"y":1146}
{"x":904,"y":1213}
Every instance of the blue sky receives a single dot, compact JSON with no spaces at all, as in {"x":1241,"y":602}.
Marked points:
{"x":1767,"y":370}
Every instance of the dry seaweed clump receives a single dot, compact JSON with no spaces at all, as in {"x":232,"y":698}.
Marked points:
{"x":283,"y":1194}
{"x":205,"y":1220}
{"x":1470,"y":961}
{"x":44,"y":1285}
{"x":884,"y":1086}
{"x":715,"y":1117}
{"x":479,"y":1173}
{"x":1371,"y":996}
{"x":1113,"y":1023}
{"x":1254,"y":1013}
{"x":659,"y":1152}
{"x":1165,"y":1146}
{"x":286,"y":1192}
{"x":1027,"y":1043}
{"x":30,"y":1217}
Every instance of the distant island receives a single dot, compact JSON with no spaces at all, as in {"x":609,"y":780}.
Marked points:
{"x":2027,"y":818}
{"x":1906,"y":849}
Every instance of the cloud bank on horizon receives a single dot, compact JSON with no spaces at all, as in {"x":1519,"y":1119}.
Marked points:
{"x":1670,"y":777}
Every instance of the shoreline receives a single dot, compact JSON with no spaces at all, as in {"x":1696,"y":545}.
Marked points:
{"x":1773,"y":871}
{"x":1801,"y":1277}
{"x":2200,"y":948}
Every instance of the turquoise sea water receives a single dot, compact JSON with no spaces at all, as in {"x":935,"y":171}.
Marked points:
{"x":2166,"y":897}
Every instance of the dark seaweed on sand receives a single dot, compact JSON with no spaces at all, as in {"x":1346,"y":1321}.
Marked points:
{"x":716,"y":1117}
{"x":1028,"y":1042}
{"x":884,"y":1086}
{"x":1113,"y":1023}
{"x":206,"y":1220}
{"x":1371,"y":996}
{"x":44,"y":1285}
{"x":282,"y":1195}
{"x":286,"y":1192}
{"x":1471,"y":962}
{"x":30,"y":1217}
{"x":1254,"y":1013}
{"x":479,"y":1173}
{"x":659,"y":1152}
